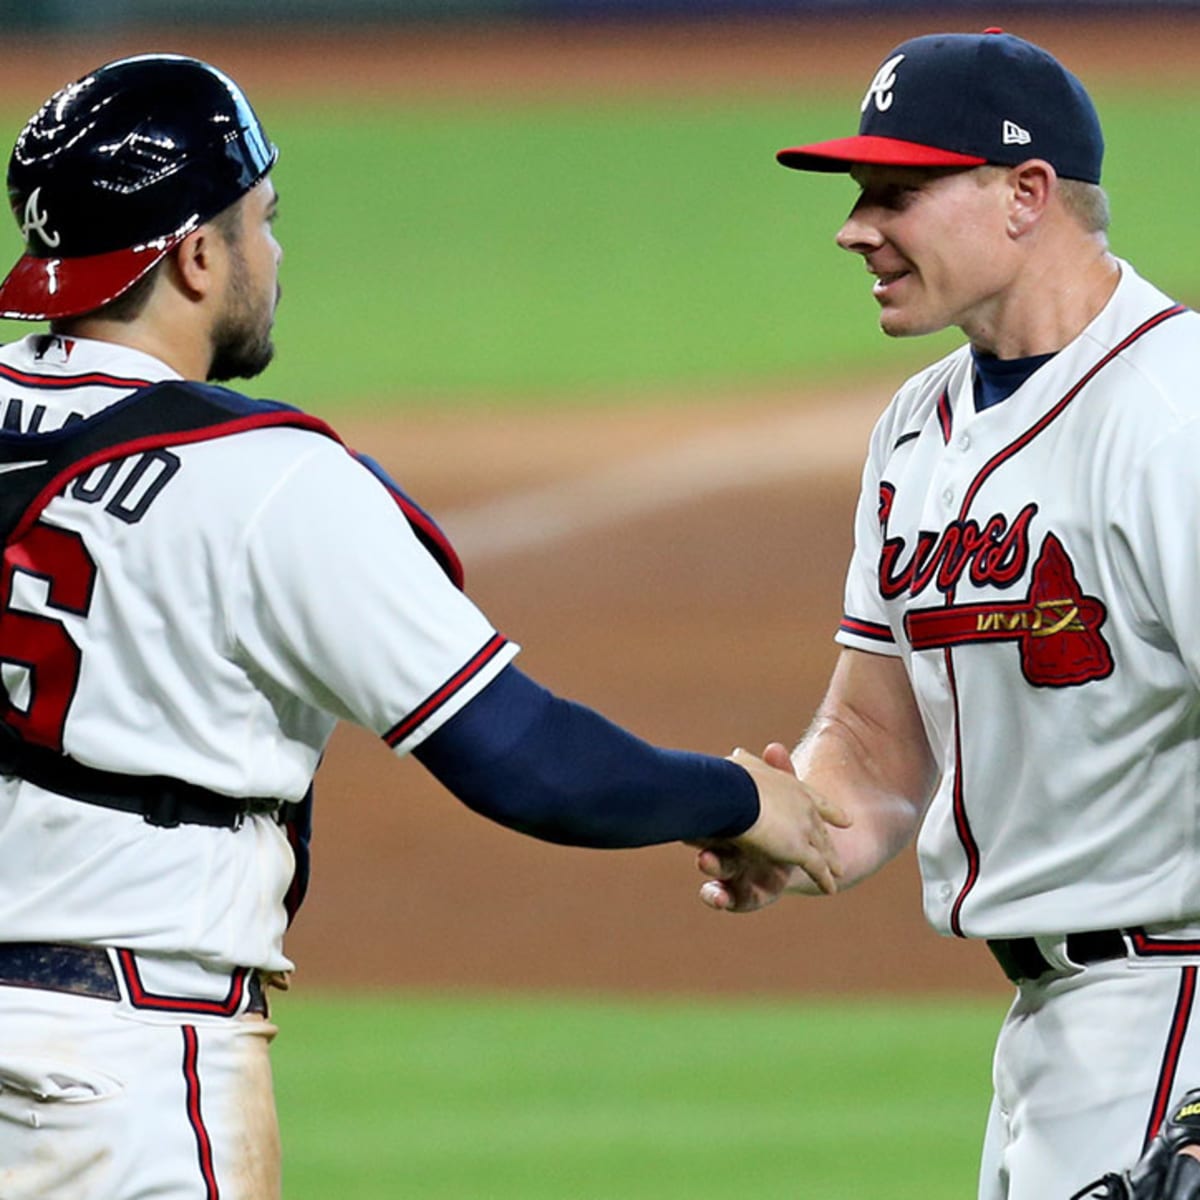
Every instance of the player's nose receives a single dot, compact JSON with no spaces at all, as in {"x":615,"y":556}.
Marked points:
{"x":859,"y":234}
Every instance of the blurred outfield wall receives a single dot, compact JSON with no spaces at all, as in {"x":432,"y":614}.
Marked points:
{"x":68,"y":16}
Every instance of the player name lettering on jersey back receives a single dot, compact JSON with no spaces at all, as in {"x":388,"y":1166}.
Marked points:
{"x":19,"y":416}
{"x":127,"y":487}
{"x":994,"y":554}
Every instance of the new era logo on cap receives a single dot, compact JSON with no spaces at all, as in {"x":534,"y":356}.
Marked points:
{"x":1014,"y":135}
{"x":958,"y":99}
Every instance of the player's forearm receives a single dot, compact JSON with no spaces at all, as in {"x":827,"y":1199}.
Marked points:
{"x":866,"y":751}
{"x":558,"y":771}
{"x":885,"y":800}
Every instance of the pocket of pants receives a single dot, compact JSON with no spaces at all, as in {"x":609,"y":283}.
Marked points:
{"x":49,"y":1081}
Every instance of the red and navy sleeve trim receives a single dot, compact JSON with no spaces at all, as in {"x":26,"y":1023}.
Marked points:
{"x":430,"y":705}
{"x":871,"y":630}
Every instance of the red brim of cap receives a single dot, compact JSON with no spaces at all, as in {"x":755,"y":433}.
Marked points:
{"x":45,"y":289}
{"x":844,"y":153}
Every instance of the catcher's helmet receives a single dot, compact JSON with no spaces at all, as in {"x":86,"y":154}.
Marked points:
{"x":116,"y":169}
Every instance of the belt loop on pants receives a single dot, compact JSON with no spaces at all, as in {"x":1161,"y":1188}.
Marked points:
{"x":1023,"y":961}
{"x":89,"y":971}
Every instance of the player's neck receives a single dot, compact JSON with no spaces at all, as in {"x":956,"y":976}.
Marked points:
{"x":1047,"y":307}
{"x":189,"y":360}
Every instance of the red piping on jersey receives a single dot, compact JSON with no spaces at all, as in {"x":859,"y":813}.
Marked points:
{"x":155,"y":442}
{"x":424,"y":523}
{"x":91,"y":379}
{"x":1171,"y":1053}
{"x":961,"y":821}
{"x":294,"y":897}
{"x":139,"y":997}
{"x":431,"y":704}
{"x":191,"y":1076}
{"x":1145,"y":946}
{"x":1041,"y":425}
{"x":945,"y":416}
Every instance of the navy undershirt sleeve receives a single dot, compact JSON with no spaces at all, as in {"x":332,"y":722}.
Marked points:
{"x":556,"y":770}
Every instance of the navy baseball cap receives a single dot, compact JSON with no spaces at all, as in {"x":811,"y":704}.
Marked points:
{"x":964,"y":100}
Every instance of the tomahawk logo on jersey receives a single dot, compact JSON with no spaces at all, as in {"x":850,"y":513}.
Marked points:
{"x":1056,"y":627}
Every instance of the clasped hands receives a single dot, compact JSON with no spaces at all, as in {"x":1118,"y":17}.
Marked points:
{"x":789,"y":848}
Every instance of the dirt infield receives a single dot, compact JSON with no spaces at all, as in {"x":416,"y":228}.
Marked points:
{"x":678,"y":567}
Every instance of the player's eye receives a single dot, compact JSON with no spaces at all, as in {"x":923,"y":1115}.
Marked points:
{"x":897,"y":196}
{"x":894,"y":197}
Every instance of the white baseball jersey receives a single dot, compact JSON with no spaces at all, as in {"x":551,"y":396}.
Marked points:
{"x":1034,"y":564}
{"x":230,"y":600}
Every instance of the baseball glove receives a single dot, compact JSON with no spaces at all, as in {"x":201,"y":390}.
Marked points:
{"x":1162,"y":1173}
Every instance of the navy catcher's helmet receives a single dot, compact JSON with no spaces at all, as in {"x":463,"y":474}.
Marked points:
{"x":116,"y":169}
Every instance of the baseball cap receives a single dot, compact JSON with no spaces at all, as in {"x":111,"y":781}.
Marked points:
{"x":962,"y":100}
{"x":117,"y":168}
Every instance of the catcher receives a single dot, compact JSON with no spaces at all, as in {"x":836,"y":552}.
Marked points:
{"x":196,"y":587}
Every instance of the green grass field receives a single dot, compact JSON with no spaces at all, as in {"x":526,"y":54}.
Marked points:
{"x":570,"y":253}
{"x":524,"y":1098}
{"x":567,"y":253}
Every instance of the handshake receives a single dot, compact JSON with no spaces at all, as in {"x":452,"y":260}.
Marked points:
{"x":789,"y":848}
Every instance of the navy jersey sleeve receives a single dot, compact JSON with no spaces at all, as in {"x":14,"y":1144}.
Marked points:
{"x":556,"y":770}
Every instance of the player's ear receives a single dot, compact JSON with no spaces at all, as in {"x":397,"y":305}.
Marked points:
{"x":196,"y":261}
{"x":1030,"y":186}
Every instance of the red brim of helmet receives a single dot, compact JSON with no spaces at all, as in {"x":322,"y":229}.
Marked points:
{"x":45,"y":289}
{"x":843,"y":153}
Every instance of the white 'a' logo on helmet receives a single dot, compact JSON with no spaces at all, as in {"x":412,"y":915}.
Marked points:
{"x":35,"y":222}
{"x":881,"y":86}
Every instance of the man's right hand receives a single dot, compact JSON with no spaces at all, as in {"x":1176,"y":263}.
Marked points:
{"x":788,"y":846}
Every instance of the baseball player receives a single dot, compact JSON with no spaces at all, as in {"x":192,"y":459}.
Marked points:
{"x":195,"y":587}
{"x":1019,"y":684}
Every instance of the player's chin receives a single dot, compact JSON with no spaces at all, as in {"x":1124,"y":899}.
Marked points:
{"x":242,"y":361}
{"x":899,"y":322}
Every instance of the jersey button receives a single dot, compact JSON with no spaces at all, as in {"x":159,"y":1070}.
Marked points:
{"x":964,"y":442}
{"x":948,"y":496}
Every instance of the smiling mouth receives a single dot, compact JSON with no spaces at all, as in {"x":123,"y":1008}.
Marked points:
{"x":884,"y":281}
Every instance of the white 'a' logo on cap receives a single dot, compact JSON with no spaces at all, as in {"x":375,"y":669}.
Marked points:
{"x":35,"y":221}
{"x":881,"y":86}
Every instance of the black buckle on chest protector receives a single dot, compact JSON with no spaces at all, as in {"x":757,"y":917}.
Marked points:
{"x":160,"y":800}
